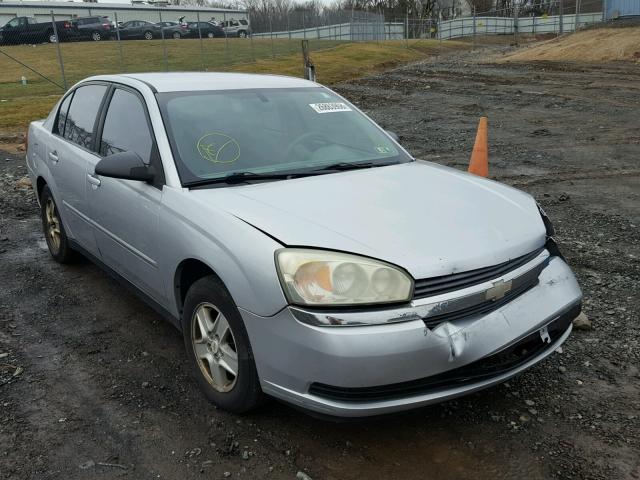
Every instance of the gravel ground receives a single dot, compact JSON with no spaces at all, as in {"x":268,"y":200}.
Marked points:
{"x":94,"y":385}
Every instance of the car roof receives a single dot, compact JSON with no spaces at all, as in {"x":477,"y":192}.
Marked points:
{"x":202,"y":81}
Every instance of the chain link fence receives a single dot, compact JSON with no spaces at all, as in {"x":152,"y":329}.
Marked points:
{"x":529,"y":20}
{"x":43,"y":54}
{"x":53,"y":50}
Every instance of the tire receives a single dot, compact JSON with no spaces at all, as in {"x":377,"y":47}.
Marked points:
{"x":53,"y":228}
{"x":96,"y":36}
{"x":210,"y":35}
{"x":177,"y":36}
{"x":52,"y":37}
{"x":148,"y":35}
{"x":242,"y":34}
{"x":209,"y":307}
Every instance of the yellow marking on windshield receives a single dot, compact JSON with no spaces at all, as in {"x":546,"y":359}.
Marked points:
{"x":217,"y":147}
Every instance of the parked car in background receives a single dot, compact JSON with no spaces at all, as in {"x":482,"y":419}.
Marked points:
{"x":94,"y":28}
{"x":26,"y":30}
{"x":236,"y":28}
{"x":214,"y":196}
{"x":138,"y":29}
{"x":173,"y":29}
{"x":204,"y":29}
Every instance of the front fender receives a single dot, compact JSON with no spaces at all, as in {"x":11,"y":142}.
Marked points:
{"x":242,"y":256}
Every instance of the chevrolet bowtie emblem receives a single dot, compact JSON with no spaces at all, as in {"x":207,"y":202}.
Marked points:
{"x":498,"y":290}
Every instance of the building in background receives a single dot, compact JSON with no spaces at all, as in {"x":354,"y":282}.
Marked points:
{"x":41,"y":11}
{"x":622,"y":8}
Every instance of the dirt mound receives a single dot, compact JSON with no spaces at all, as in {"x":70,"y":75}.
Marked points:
{"x":592,"y":45}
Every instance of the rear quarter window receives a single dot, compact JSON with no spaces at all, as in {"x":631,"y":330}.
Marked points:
{"x":62,"y":115}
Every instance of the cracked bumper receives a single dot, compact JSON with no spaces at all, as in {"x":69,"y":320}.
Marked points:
{"x":291,"y":356}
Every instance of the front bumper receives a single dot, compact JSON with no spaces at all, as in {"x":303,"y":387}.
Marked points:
{"x":293,"y":358}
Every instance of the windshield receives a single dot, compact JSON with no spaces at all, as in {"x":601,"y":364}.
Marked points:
{"x":267,"y":131}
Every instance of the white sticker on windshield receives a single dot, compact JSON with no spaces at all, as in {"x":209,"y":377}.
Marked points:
{"x":330,"y":107}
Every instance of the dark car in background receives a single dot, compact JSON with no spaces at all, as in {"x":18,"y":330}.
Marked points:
{"x":27,"y":30}
{"x":204,"y":29}
{"x":139,"y":29}
{"x":94,"y":28}
{"x":173,"y":29}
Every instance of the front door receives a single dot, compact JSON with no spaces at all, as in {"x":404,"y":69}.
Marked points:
{"x":125,"y":213}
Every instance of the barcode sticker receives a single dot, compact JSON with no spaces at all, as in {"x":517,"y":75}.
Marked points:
{"x":330,"y":107}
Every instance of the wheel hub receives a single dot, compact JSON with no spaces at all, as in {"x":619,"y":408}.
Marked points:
{"x":214,"y":345}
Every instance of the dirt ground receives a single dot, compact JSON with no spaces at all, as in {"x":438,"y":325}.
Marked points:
{"x":94,"y":385}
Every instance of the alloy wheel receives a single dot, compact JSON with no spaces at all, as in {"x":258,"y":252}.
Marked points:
{"x":214,"y":347}
{"x":53,"y":225}
{"x":53,"y":38}
{"x":148,"y":35}
{"x":176,"y":35}
{"x":210,"y":35}
{"x":96,"y":37}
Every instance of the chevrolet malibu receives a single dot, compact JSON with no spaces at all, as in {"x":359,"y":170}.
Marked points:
{"x":302,"y":252}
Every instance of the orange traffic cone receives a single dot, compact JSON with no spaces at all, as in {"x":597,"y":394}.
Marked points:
{"x":479,"y":163}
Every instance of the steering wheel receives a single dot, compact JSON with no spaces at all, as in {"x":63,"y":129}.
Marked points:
{"x":312,"y":141}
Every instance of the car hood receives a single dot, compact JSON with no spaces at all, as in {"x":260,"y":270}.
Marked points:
{"x":430,"y":220}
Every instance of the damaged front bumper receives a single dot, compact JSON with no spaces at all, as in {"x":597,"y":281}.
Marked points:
{"x":378,"y":369}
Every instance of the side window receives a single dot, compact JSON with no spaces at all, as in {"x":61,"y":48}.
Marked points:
{"x":14,"y":23}
{"x":125,"y":127}
{"x":31,"y":21}
{"x":62,"y":115}
{"x":82,"y":114}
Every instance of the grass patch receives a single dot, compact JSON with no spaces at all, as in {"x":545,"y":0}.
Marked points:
{"x":335,"y":61}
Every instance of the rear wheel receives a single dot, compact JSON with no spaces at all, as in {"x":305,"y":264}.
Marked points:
{"x":210,"y":35}
{"x":177,"y":35}
{"x":54,"y":231}
{"x":242,"y":34}
{"x":96,"y":37}
{"x":52,"y":37}
{"x":218,"y":347}
{"x":148,"y":35}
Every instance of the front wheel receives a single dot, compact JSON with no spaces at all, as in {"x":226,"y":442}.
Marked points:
{"x":54,"y":231}
{"x":96,"y":37}
{"x":177,"y":35}
{"x":218,"y":347}
{"x":210,"y":35}
{"x":52,"y":37}
{"x":148,"y":35}
{"x":242,"y":34}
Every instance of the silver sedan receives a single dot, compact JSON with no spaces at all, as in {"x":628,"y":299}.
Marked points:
{"x":303,"y":253}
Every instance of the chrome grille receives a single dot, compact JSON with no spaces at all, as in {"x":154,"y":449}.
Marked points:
{"x":448,"y":283}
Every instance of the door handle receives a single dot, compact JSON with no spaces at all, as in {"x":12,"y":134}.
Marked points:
{"x":93,"y":180}
{"x":54,"y":156}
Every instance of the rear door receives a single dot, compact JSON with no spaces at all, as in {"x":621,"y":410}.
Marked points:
{"x":69,"y":152}
{"x":124,"y":213}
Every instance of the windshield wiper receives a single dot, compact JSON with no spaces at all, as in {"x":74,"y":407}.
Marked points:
{"x":340,"y":166}
{"x":242,"y":177}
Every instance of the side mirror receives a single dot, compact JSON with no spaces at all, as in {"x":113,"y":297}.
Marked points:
{"x":393,"y":135}
{"x":125,"y":165}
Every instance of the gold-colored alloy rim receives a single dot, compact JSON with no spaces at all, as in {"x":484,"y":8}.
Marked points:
{"x":215,"y":347}
{"x":53,"y":225}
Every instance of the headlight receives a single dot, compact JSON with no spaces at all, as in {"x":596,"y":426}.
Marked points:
{"x":324,"y":278}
